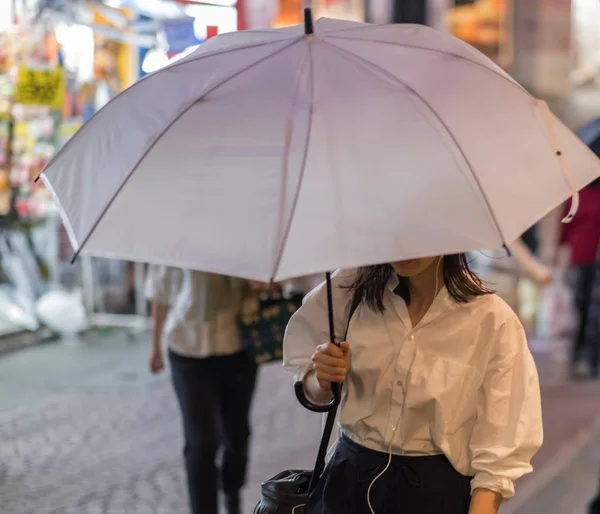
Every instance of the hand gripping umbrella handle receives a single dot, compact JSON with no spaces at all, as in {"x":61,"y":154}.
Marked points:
{"x":336,"y":389}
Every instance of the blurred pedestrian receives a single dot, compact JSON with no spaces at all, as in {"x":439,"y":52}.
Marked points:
{"x":302,"y":285}
{"x":195,"y":314}
{"x":593,"y":335}
{"x":507,"y":273}
{"x":441,"y":411}
{"x":582,"y":236}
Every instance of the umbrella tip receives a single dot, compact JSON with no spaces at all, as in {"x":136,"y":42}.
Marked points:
{"x":308,"y":21}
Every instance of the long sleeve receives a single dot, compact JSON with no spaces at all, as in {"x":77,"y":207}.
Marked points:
{"x":309,"y":326}
{"x":508,"y":430}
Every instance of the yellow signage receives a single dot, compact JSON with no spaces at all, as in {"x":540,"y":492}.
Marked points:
{"x":41,"y":87}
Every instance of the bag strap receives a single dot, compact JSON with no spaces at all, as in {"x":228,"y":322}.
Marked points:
{"x":331,"y":415}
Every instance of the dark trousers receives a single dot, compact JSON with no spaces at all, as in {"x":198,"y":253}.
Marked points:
{"x":214,"y":394}
{"x":594,"y":507}
{"x":411,"y":485}
{"x":583,"y":345}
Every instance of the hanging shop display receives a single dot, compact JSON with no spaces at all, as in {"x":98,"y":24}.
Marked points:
{"x":31,"y":95}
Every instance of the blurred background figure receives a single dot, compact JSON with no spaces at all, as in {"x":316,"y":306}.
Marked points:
{"x":302,"y":285}
{"x":516,"y":274}
{"x":593,"y":339}
{"x":582,"y":237}
{"x":195,"y":314}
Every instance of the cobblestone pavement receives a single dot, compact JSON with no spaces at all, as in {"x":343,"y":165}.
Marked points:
{"x":85,"y":429}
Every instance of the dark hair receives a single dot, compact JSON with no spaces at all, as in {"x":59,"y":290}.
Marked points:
{"x":462,"y":284}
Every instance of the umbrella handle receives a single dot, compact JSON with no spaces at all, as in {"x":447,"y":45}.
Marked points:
{"x":307,"y":404}
{"x":336,"y":389}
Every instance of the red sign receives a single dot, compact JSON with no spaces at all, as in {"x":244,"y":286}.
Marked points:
{"x":211,"y":31}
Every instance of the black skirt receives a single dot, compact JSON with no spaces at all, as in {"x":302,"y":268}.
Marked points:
{"x":411,"y":485}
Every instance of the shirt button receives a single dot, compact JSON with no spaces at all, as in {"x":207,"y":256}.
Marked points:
{"x":411,"y":338}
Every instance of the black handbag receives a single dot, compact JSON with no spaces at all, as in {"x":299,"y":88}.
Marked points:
{"x":263,"y":325}
{"x":288,"y":491}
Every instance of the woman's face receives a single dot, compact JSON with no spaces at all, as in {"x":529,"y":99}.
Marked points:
{"x":414,"y":267}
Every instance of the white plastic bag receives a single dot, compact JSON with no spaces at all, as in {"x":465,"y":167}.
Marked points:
{"x":556,"y":316}
{"x":62,"y":312}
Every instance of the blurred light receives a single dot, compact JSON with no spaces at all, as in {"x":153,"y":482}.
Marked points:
{"x":152,"y":8}
{"x":62,"y":33}
{"x":77,"y":43}
{"x":154,"y":60}
{"x":217,"y":3}
{"x":6,"y":15}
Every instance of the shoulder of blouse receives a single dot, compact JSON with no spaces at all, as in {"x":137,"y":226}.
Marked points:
{"x":501,"y":326}
{"x":491,"y":306}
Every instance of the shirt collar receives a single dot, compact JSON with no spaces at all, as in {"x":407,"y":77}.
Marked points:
{"x":442,"y":301}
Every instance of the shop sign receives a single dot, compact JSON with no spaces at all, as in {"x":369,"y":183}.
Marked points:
{"x":41,"y":87}
{"x":180,"y":34}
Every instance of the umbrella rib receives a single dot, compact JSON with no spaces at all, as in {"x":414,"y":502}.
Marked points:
{"x":285,"y":168}
{"x":425,"y":49}
{"x":170,"y":124}
{"x":148,"y":77}
{"x":288,"y":228}
{"x":439,"y":118}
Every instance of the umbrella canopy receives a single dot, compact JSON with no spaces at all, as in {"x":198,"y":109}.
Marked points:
{"x":276,"y":153}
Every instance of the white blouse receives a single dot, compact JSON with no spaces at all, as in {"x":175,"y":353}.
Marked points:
{"x":203,"y":308}
{"x":462,"y":382}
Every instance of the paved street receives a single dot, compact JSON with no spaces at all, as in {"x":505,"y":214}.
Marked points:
{"x":84,"y":428}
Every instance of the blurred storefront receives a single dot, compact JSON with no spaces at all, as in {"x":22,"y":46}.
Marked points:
{"x":484,"y":24}
{"x":557,"y":46}
{"x":551,"y":46}
{"x":289,"y":12}
{"x":353,"y":10}
{"x":586,"y":41}
{"x":60,"y":62}
{"x":32,"y":89}
{"x":543,"y":34}
{"x":57,"y":68}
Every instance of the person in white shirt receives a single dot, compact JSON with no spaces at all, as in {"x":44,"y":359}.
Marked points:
{"x":195,"y":314}
{"x":441,"y":410}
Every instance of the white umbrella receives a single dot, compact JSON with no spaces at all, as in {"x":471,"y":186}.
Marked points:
{"x":274,"y":154}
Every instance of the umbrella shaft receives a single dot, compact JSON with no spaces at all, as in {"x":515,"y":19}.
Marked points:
{"x":330,"y":308}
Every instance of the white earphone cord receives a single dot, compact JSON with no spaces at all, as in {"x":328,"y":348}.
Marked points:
{"x":389,"y":463}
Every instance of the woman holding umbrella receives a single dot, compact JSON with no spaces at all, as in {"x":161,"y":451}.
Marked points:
{"x":442,"y":403}
{"x":440,"y":376}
